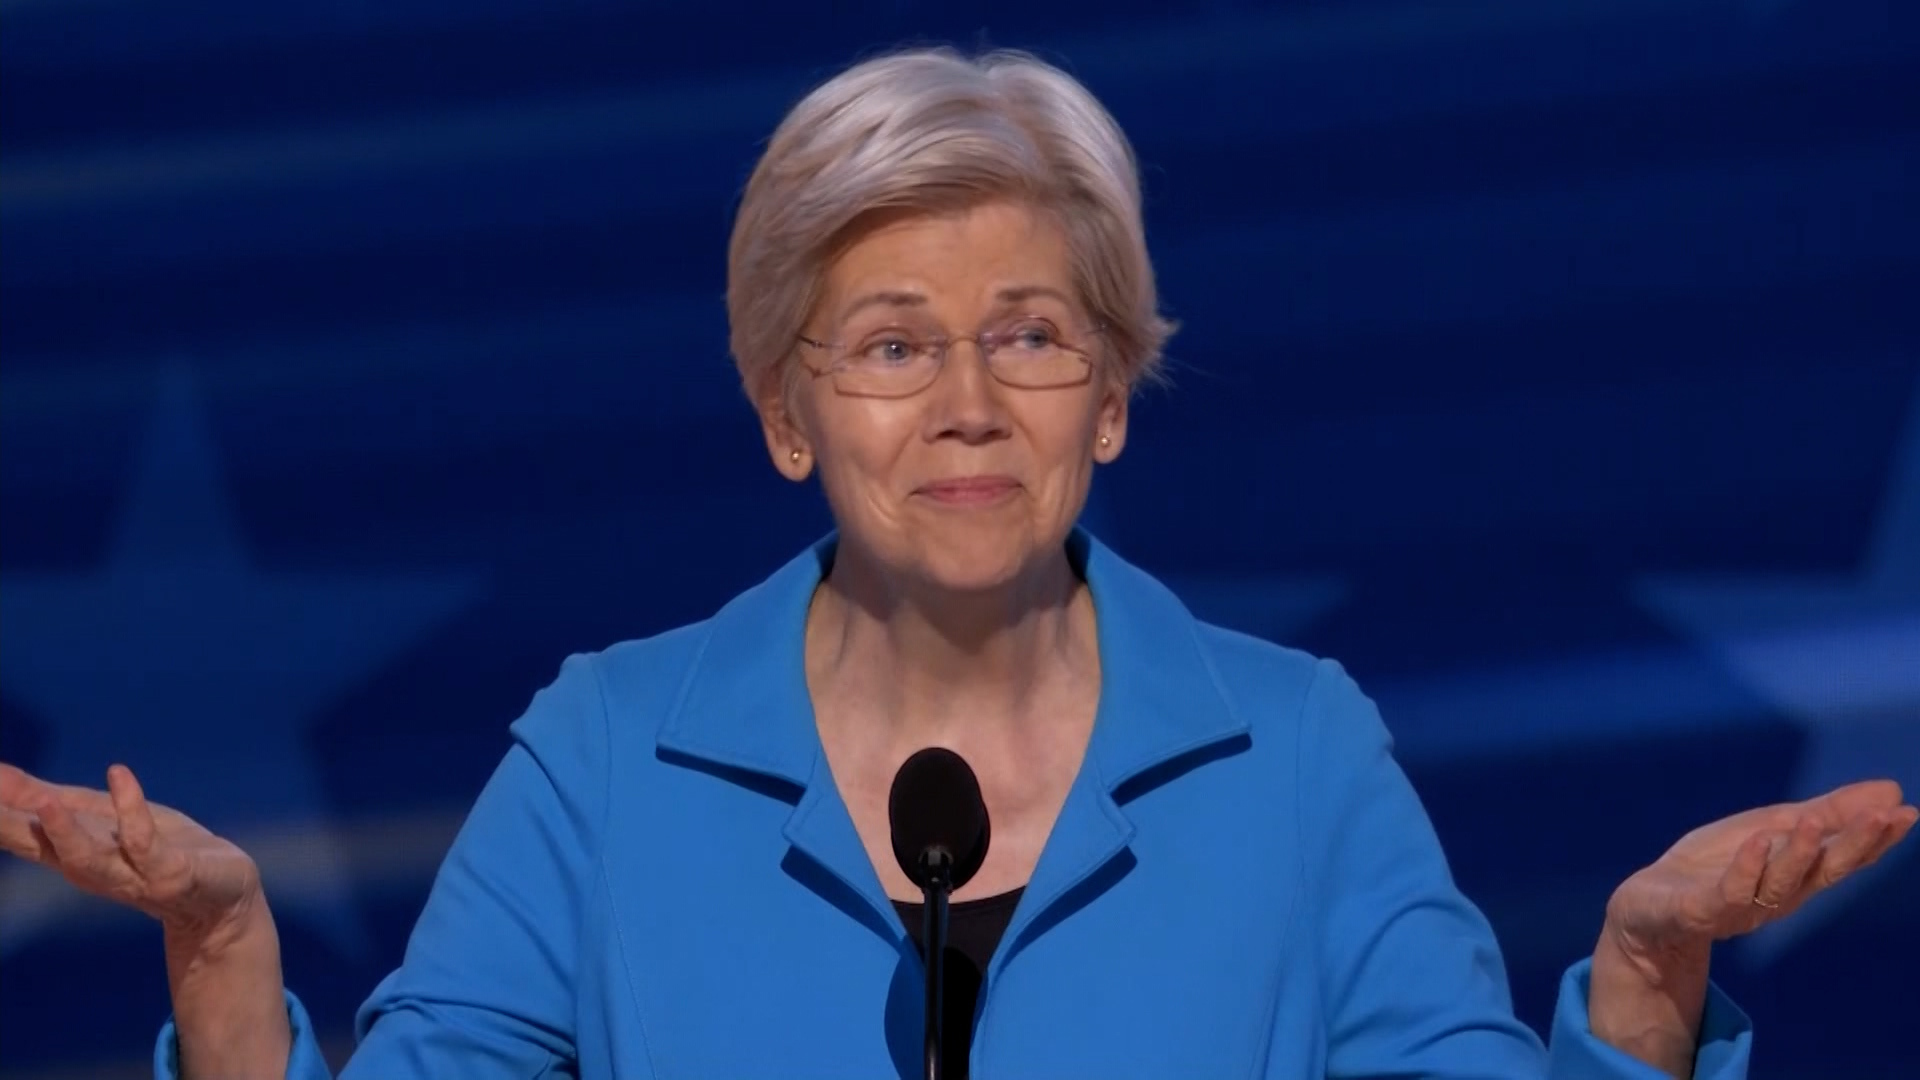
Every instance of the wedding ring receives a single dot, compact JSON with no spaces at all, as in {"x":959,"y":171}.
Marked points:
{"x":1757,"y":902}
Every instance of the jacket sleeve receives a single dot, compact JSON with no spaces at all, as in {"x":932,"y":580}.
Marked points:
{"x":1412,"y":980}
{"x":486,"y":988}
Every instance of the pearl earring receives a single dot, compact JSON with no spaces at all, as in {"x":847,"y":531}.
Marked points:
{"x":1106,"y":440}
{"x":794,"y":456}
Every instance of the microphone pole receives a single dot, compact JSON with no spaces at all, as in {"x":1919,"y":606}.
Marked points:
{"x":938,"y":887}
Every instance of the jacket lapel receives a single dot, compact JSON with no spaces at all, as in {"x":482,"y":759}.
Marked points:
{"x":745,"y":715}
{"x":1161,"y":713}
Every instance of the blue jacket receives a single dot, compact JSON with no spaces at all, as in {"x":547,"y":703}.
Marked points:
{"x":660,"y":881}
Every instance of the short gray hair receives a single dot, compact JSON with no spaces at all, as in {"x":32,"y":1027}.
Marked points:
{"x":932,"y":130}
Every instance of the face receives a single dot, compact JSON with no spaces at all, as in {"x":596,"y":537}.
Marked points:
{"x":970,"y":483}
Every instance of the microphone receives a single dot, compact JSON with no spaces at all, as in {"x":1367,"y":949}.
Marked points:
{"x":940,"y":835}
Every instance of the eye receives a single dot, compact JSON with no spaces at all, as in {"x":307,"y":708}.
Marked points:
{"x":889,"y":349}
{"x":1034,"y":335}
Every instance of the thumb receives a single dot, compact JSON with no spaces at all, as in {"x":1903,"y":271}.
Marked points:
{"x":134,"y":817}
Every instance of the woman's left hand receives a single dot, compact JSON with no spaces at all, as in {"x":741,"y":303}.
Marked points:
{"x":1739,"y":873}
{"x":1649,"y":981}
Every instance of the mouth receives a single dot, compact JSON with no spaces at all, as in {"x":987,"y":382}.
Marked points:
{"x":969,"y":490}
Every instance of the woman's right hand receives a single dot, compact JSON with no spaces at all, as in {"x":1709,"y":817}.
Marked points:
{"x":222,"y":951}
{"x":117,"y":845}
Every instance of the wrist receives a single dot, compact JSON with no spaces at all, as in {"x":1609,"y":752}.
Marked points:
{"x":208,"y":925}
{"x":229,"y":1002}
{"x":245,"y":937}
{"x":1647,"y":999}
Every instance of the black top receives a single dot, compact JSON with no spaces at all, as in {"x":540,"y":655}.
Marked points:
{"x":974,"y":929}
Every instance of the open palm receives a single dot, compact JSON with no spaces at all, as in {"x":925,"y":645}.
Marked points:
{"x":115,"y":844}
{"x":1735,"y":875}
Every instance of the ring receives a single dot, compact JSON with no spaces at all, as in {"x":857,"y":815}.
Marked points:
{"x":1757,"y":902}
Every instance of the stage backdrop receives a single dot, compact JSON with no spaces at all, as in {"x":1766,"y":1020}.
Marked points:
{"x":1555,"y":366}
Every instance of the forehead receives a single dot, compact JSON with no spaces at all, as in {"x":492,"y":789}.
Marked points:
{"x":960,"y":258}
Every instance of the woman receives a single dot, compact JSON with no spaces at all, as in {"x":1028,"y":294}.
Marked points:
{"x":1204,"y":860}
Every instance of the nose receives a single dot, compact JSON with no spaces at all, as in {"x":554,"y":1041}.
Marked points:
{"x":965,"y":400}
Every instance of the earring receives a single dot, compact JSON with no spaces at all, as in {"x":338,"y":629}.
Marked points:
{"x":1106,"y":440}
{"x":794,"y":456}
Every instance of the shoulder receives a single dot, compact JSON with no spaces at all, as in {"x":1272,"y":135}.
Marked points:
{"x":1278,"y":687}
{"x":1308,"y":719}
{"x":624,"y":684}
{"x":647,"y":674}
{"x":1204,"y":679}
{"x":1264,"y":676}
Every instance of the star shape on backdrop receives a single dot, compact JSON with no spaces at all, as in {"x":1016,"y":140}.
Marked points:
{"x":1274,"y":607}
{"x":1836,"y":655}
{"x":201,"y":671}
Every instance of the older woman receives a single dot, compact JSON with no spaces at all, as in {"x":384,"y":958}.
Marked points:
{"x":1204,"y":860}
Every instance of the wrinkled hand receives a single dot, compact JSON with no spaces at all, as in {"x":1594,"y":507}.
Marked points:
{"x":117,"y":845}
{"x":222,"y":951}
{"x":1739,"y":873}
{"x":1649,"y":979}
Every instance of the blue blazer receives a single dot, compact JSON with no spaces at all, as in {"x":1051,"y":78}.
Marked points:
{"x":660,"y":881}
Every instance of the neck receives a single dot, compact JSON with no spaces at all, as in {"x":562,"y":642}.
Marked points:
{"x":937,"y":667}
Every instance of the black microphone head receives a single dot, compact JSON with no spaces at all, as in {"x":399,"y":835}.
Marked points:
{"x":936,"y":803}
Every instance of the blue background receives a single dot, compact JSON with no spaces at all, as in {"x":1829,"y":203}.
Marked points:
{"x":1555,"y":366}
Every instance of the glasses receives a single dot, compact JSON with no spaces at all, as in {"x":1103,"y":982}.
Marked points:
{"x":1028,"y":353}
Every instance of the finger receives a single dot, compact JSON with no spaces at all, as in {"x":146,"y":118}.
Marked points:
{"x":133,"y":816}
{"x":1904,"y":819}
{"x":21,"y":790}
{"x":1895,"y":831}
{"x":1843,"y":804}
{"x":1787,"y":871}
{"x":83,"y":800}
{"x":20,"y":836}
{"x":1855,"y":847}
{"x":80,"y":849}
{"x":1741,"y":882}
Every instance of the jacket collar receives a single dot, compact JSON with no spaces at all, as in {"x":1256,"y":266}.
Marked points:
{"x":746,"y":703}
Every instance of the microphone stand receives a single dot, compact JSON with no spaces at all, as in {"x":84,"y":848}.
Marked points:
{"x":938,"y":866}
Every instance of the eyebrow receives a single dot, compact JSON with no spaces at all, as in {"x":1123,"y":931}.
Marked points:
{"x":1017,"y":294}
{"x":1012,"y":294}
{"x":884,"y":298}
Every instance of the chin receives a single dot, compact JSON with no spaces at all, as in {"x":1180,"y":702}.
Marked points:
{"x":976,"y":564}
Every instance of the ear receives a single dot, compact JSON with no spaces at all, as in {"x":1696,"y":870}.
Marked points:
{"x":787,"y":443}
{"x":1110,"y":430}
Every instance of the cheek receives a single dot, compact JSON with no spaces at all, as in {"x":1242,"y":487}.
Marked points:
{"x":1066,"y":456}
{"x":1069,"y":436}
{"x":860,"y":444}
